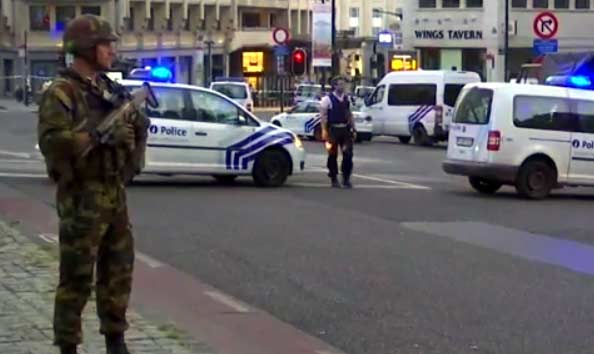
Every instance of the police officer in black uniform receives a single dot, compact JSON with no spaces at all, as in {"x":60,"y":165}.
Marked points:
{"x":338,"y":130}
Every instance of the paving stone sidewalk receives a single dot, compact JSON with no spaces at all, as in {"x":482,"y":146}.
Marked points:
{"x":28,"y":277}
{"x":12,"y":105}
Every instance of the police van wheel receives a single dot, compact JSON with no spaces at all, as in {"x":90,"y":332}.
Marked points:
{"x":225,"y":179}
{"x":271,"y":169}
{"x":484,"y":186}
{"x":404,"y":139}
{"x":535,"y":179}
{"x":421,"y":137}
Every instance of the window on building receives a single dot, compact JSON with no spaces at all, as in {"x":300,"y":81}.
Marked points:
{"x":451,"y":3}
{"x":562,"y":4}
{"x":377,"y":22}
{"x":474,"y":3}
{"x":91,"y":10}
{"x":151,"y":21}
{"x":540,"y":4}
{"x":63,"y":15}
{"x":582,"y":4}
{"x":39,"y":18}
{"x":250,"y":19}
{"x":354,"y":20}
{"x":273,"y":20}
{"x":412,"y":95}
{"x":427,"y":4}
{"x":130,"y":22}
{"x":543,"y":113}
{"x":519,"y":4}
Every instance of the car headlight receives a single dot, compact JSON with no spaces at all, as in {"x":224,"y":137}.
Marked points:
{"x":298,"y":142}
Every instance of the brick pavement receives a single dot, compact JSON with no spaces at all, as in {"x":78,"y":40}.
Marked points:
{"x":28,"y":276}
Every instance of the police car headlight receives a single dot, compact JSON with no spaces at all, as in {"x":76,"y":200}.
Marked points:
{"x":298,"y":142}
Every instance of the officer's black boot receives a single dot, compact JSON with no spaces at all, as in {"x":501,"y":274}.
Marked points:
{"x":346,"y":182}
{"x":335,"y":183}
{"x":68,"y":349}
{"x":115,"y":344}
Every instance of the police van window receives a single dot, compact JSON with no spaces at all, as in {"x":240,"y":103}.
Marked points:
{"x":378,"y":95}
{"x":412,"y":95}
{"x":171,"y":104}
{"x":210,"y":108}
{"x":543,"y":113}
{"x":585,"y":116}
{"x":474,"y":107}
{"x":451,"y":93}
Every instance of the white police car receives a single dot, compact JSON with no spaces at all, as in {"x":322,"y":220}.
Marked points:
{"x":304,"y":119}
{"x":200,"y":131}
{"x":534,"y":137}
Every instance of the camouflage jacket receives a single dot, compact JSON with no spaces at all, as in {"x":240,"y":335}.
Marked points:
{"x":72,"y":104}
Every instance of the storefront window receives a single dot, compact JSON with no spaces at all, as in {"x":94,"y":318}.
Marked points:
{"x":39,"y":18}
{"x":473,"y":60}
{"x":451,"y":3}
{"x":582,"y":4}
{"x":430,"y":59}
{"x":427,"y":4}
{"x":519,"y":4}
{"x":91,"y":10}
{"x":541,"y":4}
{"x":474,"y":3}
{"x":63,"y":15}
{"x":562,"y":4}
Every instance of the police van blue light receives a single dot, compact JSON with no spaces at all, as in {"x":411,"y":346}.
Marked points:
{"x":571,"y":81}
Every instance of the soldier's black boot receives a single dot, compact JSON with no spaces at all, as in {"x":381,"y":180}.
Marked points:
{"x":68,"y":349}
{"x":115,"y":344}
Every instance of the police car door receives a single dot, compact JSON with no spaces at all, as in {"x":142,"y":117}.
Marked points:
{"x":171,"y":131}
{"x":374,"y":106}
{"x":581,"y":168}
{"x":220,"y":123}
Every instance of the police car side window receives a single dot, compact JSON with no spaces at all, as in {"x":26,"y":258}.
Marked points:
{"x":214,"y":109}
{"x":585,"y":113}
{"x":171,"y":104}
{"x":544,"y":113}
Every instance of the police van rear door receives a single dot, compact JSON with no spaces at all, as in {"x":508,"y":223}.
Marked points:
{"x":581,"y":166}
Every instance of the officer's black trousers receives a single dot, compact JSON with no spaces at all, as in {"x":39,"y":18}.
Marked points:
{"x":340,"y":137}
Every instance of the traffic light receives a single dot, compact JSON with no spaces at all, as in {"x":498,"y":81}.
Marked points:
{"x":298,"y":61}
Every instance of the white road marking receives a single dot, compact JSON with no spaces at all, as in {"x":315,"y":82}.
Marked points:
{"x":357,"y":186}
{"x":49,"y":238}
{"x":23,"y":155}
{"x":150,"y":261}
{"x":23,"y":175}
{"x":389,"y":181}
{"x":228,"y":301}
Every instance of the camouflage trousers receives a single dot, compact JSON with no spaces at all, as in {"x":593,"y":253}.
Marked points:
{"x":94,"y":230}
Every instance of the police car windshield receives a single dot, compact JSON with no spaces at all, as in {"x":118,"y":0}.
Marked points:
{"x":364,"y":91}
{"x":308,"y":90}
{"x":231,"y":90}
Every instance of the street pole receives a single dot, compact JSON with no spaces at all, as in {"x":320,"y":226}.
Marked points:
{"x":209,"y":79}
{"x":335,"y":68}
{"x":26,"y":71}
{"x":506,"y":43}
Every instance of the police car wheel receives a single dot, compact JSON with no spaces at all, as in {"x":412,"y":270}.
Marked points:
{"x":404,"y":139}
{"x":271,"y":169}
{"x":535,"y":179}
{"x":225,"y":179}
{"x":484,"y":186}
{"x":421,"y":137}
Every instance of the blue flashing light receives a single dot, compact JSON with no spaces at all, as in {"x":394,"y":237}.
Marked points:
{"x":580,"y":81}
{"x":161,"y":73}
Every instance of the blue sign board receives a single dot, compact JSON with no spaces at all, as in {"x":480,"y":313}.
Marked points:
{"x":281,"y":50}
{"x":544,"y":46}
{"x":385,"y":38}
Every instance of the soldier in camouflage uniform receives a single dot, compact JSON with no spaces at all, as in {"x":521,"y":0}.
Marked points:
{"x":91,"y":200}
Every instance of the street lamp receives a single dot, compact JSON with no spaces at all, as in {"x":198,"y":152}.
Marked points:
{"x":506,"y":44}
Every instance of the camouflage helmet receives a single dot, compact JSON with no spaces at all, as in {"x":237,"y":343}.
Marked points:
{"x":85,"y":32}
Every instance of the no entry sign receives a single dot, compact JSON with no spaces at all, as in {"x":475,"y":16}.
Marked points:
{"x":546,"y":25}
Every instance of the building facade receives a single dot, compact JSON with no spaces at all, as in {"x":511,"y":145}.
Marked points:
{"x":469,"y":34}
{"x":197,"y":39}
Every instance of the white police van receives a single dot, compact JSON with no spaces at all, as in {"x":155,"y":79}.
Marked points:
{"x":416,"y":104}
{"x":304,"y":120}
{"x":195,"y":130}
{"x":535,"y":137}
{"x":236,"y":89}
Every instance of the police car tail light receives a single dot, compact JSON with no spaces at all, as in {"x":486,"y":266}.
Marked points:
{"x":494,"y":141}
{"x":438,"y":114}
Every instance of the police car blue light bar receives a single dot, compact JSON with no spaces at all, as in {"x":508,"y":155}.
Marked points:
{"x":574,"y":81}
{"x":161,"y":73}
{"x":158,"y":73}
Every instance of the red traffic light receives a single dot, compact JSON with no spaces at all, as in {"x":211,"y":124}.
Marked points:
{"x":298,"y":56}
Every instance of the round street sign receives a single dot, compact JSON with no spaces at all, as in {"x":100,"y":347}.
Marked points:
{"x":280,"y":35}
{"x":546,"y":25}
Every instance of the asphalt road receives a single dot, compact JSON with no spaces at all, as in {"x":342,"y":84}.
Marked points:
{"x":410,"y":261}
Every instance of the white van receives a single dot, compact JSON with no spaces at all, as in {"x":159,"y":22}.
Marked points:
{"x":534,"y":137}
{"x":416,"y":103}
